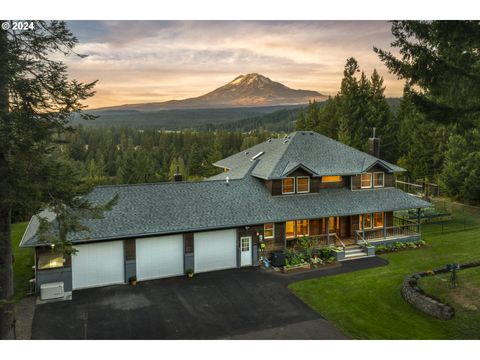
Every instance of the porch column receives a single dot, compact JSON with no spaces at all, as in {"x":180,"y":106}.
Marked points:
{"x":363,"y":226}
{"x":418,"y":220}
{"x":328,"y":231}
{"x":384,"y":226}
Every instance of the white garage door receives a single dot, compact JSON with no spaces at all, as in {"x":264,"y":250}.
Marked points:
{"x":160,"y":256}
{"x":215,"y":250}
{"x":98,"y":264}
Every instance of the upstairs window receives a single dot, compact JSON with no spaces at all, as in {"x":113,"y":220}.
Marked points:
{"x":366,"y":181}
{"x":330,"y":179}
{"x":269,"y":230}
{"x":288,"y":185}
{"x":303,"y":184}
{"x":378,"y":179}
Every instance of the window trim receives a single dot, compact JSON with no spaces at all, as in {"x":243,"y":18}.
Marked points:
{"x":372,"y":221}
{"x":273,"y":231}
{"x":242,"y":243}
{"x":361,"y":181}
{"x":383,"y":179}
{"x":308,"y":184}
{"x":294,"y":188}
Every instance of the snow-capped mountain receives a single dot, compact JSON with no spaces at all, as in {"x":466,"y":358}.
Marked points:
{"x":243,"y":91}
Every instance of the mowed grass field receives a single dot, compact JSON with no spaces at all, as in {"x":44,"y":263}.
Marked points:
{"x":367,"y":304}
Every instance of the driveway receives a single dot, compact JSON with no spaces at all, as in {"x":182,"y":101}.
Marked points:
{"x":232,"y":304}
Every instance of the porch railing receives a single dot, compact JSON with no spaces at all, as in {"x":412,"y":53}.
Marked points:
{"x":385,"y":233}
{"x":320,"y":240}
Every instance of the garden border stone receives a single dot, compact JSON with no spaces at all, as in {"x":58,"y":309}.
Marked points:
{"x":416,"y":297}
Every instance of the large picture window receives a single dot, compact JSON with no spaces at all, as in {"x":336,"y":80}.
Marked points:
{"x":269,"y":230}
{"x":378,"y":179}
{"x":50,"y":261}
{"x":368,"y":221}
{"x":366,"y":181}
{"x":290,"y":229}
{"x":296,"y":228}
{"x":303,"y":184}
{"x":330,"y":179}
{"x":288,"y":185}
{"x":378,"y":219}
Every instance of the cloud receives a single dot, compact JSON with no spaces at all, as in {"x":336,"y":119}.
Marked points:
{"x":144,"y":61}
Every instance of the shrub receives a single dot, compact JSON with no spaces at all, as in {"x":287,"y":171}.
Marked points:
{"x":381,"y":248}
{"x":331,"y":259}
{"x":411,"y":245}
{"x":324,"y":253}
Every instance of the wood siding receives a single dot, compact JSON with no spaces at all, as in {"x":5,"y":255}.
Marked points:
{"x":188,"y":243}
{"x":129,"y":249}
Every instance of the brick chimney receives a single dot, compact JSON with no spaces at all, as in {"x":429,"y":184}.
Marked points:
{"x":177,"y":176}
{"x":374,"y":145}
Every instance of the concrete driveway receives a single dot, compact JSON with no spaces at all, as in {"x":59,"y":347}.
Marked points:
{"x":232,"y":304}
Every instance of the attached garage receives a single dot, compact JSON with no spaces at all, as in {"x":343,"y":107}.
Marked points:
{"x":215,"y":250}
{"x":159,"y":257}
{"x":98,"y":264}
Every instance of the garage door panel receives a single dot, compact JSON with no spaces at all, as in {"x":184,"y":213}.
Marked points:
{"x":98,"y":264}
{"x":215,"y":250}
{"x":159,"y":257}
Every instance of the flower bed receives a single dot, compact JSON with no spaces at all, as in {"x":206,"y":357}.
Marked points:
{"x":398,"y":246}
{"x":306,"y":256}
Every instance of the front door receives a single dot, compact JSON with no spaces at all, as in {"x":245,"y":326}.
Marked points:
{"x":246,"y":251}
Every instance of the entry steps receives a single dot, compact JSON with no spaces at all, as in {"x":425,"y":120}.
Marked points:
{"x":353,"y":252}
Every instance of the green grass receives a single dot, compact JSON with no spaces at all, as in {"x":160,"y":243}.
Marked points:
{"x":367,"y":304}
{"x":22,"y":267}
{"x":465,"y":297}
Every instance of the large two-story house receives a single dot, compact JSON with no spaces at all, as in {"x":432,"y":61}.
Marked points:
{"x":304,"y":184}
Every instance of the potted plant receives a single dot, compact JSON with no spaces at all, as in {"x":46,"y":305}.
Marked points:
{"x":190,"y":273}
{"x":132,"y":280}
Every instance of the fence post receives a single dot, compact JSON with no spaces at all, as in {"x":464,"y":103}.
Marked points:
{"x":418,"y":220}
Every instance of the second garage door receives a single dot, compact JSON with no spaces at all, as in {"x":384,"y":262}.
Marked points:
{"x":159,"y":257}
{"x":215,"y":250}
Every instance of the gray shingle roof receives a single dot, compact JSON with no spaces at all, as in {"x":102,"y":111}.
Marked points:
{"x":153,"y":209}
{"x":320,"y":154}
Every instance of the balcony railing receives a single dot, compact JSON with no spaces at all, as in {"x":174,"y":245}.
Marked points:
{"x":386,"y":233}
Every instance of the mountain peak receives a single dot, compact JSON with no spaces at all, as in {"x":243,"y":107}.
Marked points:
{"x":252,"y":89}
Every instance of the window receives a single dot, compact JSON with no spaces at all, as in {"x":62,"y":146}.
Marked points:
{"x":378,"y":219}
{"x":50,"y":261}
{"x":269,"y":230}
{"x":303,"y":184}
{"x":288,"y":185}
{"x":366,"y":181}
{"x":378,"y":179}
{"x":368,"y":221}
{"x":245,"y":244}
{"x":290,"y":229}
{"x":329,"y":179}
{"x":302,"y":228}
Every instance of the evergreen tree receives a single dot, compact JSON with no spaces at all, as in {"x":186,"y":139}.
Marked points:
{"x":36,"y":98}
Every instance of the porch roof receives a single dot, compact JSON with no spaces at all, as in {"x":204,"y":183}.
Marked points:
{"x":165,"y":208}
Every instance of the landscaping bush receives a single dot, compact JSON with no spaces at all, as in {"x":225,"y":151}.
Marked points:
{"x":324,"y":253}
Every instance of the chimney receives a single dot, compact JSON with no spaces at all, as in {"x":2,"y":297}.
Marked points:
{"x":177,"y":176}
{"x":374,"y":145}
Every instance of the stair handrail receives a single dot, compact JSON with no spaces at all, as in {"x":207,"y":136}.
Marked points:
{"x":339,"y":240}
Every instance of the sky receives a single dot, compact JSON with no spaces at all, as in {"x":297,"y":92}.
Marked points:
{"x":153,"y":61}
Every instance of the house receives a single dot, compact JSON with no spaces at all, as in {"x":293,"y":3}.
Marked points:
{"x":304,"y":184}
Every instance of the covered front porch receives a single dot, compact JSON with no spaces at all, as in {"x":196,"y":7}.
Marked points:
{"x":343,"y":231}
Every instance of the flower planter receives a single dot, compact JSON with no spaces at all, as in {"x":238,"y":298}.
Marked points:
{"x":296,"y":267}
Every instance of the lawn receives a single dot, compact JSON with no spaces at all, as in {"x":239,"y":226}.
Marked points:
{"x":22,"y":267}
{"x":367,"y":304}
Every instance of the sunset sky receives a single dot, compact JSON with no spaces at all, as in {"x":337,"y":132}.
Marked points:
{"x":149,"y":61}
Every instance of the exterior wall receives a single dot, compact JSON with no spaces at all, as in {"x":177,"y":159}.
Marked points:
{"x":255,"y":232}
{"x":410,"y":238}
{"x":388,"y":181}
{"x":63,"y":274}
